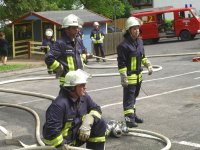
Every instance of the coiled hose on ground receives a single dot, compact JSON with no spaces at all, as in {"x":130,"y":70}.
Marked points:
{"x":40,"y":142}
{"x":49,"y":97}
{"x":151,"y":56}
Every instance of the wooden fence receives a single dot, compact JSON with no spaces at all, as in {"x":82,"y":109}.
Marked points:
{"x":24,"y":47}
{"x":32,"y":47}
{"x":120,"y":23}
{"x":111,"y":41}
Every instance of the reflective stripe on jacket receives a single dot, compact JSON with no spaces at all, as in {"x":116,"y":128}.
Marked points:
{"x":64,"y":117}
{"x":130,"y":58}
{"x":67,"y":53}
{"x":97,"y":36}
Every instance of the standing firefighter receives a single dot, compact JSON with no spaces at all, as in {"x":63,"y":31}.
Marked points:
{"x":47,"y":43}
{"x":97,"y":38}
{"x":65,"y":54}
{"x":130,"y":58}
{"x":48,"y":40}
{"x":84,"y":53}
{"x":73,"y":117}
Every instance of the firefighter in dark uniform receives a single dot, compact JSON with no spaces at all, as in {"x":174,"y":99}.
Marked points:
{"x":84,"y":54}
{"x":47,"y":43}
{"x":65,"y":54}
{"x":131,"y":56}
{"x":73,"y":117}
{"x":97,"y":38}
{"x":48,"y":40}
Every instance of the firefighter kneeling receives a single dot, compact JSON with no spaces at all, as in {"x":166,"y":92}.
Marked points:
{"x":73,"y":117}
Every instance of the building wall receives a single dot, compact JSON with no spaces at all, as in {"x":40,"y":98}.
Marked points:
{"x":177,"y":3}
{"x":37,"y":28}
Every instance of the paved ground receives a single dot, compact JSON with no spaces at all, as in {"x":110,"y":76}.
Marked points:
{"x":169,"y":100}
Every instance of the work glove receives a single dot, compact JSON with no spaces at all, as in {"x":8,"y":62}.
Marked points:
{"x":124,"y":79}
{"x":59,"y":71}
{"x":84,"y":57}
{"x":150,"y":69}
{"x":100,"y":40}
{"x":88,"y":55}
{"x":93,"y":40}
{"x":85,"y":129}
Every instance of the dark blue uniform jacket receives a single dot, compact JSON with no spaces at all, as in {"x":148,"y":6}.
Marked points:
{"x":65,"y":52}
{"x":64,"y":110}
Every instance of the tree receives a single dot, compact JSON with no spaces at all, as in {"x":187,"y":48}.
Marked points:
{"x":106,"y":7}
{"x":11,"y":10}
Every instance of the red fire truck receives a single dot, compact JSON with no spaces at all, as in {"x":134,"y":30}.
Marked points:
{"x":183,"y":23}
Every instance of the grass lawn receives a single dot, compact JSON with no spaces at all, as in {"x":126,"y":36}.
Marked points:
{"x":12,"y":67}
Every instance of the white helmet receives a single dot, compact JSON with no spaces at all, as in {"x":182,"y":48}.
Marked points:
{"x":70,"y":20}
{"x":73,"y":78}
{"x":80,"y":23}
{"x":49,"y":32}
{"x":80,"y":26}
{"x":95,"y":24}
{"x":132,"y":21}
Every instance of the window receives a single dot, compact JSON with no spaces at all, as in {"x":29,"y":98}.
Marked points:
{"x":185,"y":14}
{"x":23,"y":31}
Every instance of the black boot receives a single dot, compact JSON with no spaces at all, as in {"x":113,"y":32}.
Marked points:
{"x":138,"y":120}
{"x":131,"y":124}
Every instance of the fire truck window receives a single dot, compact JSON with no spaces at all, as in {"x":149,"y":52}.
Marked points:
{"x":181,"y":14}
{"x":144,"y":19}
{"x":186,"y":14}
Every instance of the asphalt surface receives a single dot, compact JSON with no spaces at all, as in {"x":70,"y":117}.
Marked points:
{"x":169,"y":101}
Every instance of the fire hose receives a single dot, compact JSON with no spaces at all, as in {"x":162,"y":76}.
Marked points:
{"x":151,"y":56}
{"x":155,"y":69}
{"x":115,"y":131}
{"x":113,"y":127}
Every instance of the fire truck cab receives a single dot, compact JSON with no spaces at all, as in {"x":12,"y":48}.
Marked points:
{"x":167,"y":22}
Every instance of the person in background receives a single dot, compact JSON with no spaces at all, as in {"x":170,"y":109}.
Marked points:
{"x":3,"y":48}
{"x":130,"y":57}
{"x":73,"y":117}
{"x":47,"y":43}
{"x":65,"y":54}
{"x":97,"y":38}
{"x":84,"y":54}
